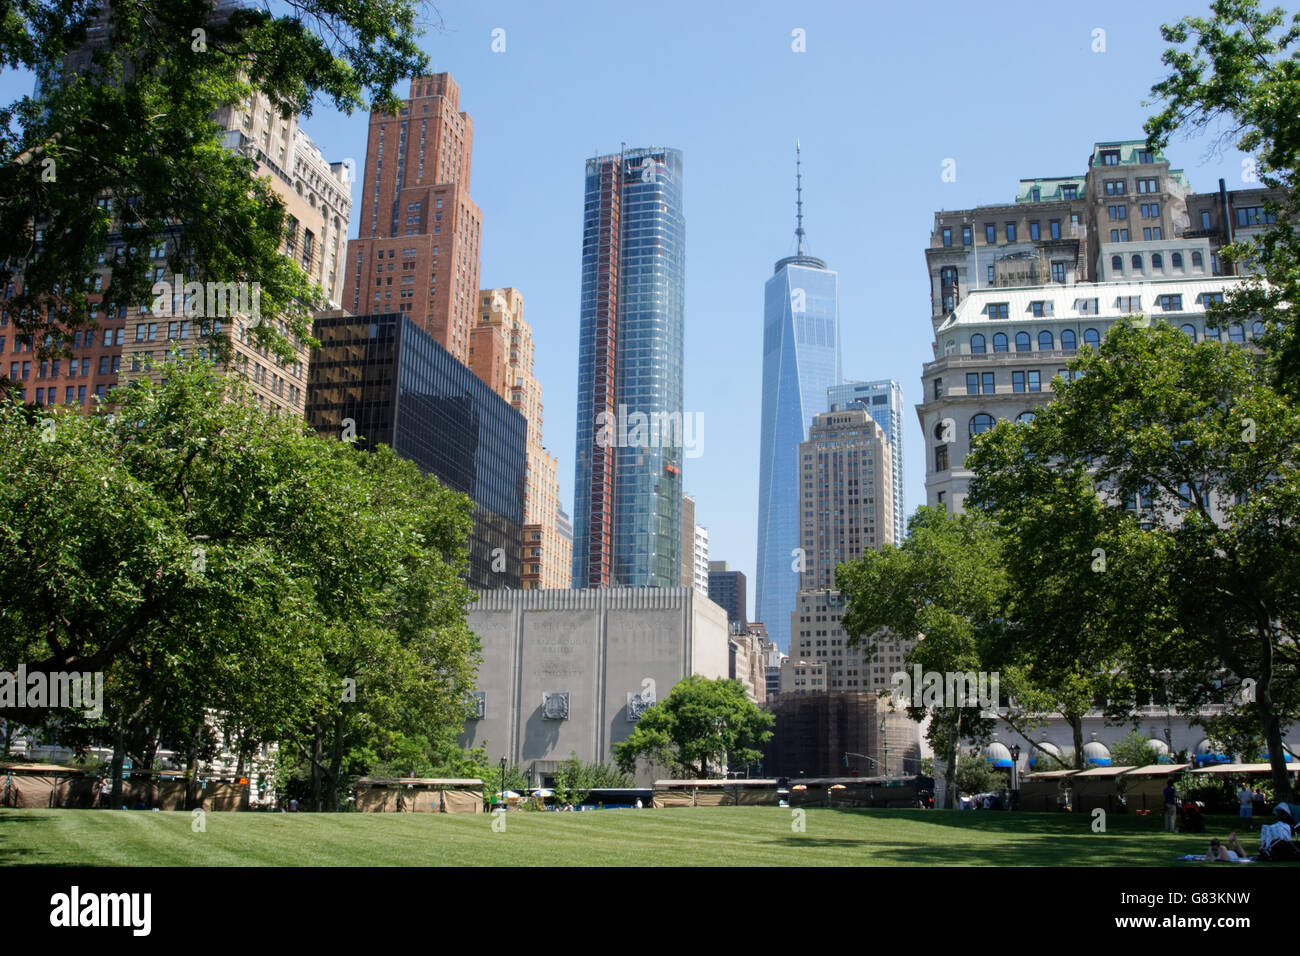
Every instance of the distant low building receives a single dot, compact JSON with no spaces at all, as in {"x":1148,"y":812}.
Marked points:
{"x":571,"y":672}
{"x":727,"y":589}
{"x":840,"y":734}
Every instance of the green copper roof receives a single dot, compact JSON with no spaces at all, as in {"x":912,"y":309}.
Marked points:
{"x":1050,"y":189}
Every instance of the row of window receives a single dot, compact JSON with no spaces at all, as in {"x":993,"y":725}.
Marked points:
{"x":1157,"y":262}
{"x":1091,"y":337}
{"x":1022,"y":380}
{"x":1069,"y":341}
{"x":1149,"y":234}
{"x":23,"y":370}
{"x":1119,"y":187}
{"x":1149,"y":210}
{"x":1010,"y":230}
{"x":71,"y":394}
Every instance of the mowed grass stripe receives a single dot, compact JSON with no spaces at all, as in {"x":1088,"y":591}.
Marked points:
{"x":679,"y":836}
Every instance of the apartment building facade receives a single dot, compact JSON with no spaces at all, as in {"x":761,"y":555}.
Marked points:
{"x":134,"y":340}
{"x":1017,"y":290}
{"x":846,"y":475}
{"x":883,"y":401}
{"x":501,"y":355}
{"x":417,"y":250}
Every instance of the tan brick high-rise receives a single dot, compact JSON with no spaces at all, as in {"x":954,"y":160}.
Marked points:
{"x":417,"y":250}
{"x":501,"y":354}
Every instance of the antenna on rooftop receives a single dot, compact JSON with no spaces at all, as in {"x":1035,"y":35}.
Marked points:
{"x":798,"y":202}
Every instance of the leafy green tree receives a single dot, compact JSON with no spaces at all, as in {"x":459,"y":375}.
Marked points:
{"x":702,"y":722}
{"x":1238,"y":72}
{"x":210,"y":559}
{"x":1192,"y":451}
{"x":1134,"y":750}
{"x":977,"y":775}
{"x":944,"y":590}
{"x":135,"y":128}
{"x":1063,"y":649}
{"x":575,"y":780}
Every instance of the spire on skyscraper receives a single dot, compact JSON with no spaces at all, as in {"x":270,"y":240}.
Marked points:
{"x":798,"y":200}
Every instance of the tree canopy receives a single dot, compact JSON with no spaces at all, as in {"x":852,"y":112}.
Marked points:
{"x":208,"y":557}
{"x":1192,"y":538}
{"x":126,"y":146}
{"x":703,"y":722}
{"x":1237,"y":73}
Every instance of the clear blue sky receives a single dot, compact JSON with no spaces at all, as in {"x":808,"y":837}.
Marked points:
{"x":882,"y":96}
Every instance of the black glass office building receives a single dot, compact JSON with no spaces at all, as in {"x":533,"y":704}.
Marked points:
{"x":402,"y":389}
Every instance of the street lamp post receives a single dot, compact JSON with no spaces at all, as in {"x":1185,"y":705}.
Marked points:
{"x":884,"y":741}
{"x":503,"y":780}
{"x":1015,"y":776}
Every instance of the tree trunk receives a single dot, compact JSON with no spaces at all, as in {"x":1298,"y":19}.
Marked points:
{"x":1272,"y":728}
{"x":317,"y":746}
{"x":192,"y":798}
{"x":950,"y":772}
{"x":1076,"y":727}
{"x":336,"y":762}
{"x":119,"y":758}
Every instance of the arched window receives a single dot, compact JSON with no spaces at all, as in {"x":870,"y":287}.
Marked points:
{"x":1117,"y":264}
{"x":1256,"y":329}
{"x":981,"y":423}
{"x":1090,"y":337}
{"x":1045,"y":341}
{"x":1022,"y":341}
{"x":977,"y":344}
{"x":1157,"y":262}
{"x":1177,"y":260}
{"x":1189,"y":331}
{"x":1069,"y":341}
{"x":1000,"y":342}
{"x":1212,"y":333}
{"x":1236,"y":333}
{"x":1137,"y":263}
{"x":1025,"y":417}
{"x":1198,"y":261}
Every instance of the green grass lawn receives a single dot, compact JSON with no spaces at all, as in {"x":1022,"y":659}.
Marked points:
{"x":704,"y":836}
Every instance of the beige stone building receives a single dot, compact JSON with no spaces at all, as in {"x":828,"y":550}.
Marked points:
{"x":1017,"y":289}
{"x":134,"y":340}
{"x":501,"y":354}
{"x":846,"y":473}
{"x":318,"y":204}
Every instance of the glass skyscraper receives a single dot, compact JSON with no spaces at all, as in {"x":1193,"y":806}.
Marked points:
{"x":627,"y":511}
{"x":801,"y":360}
{"x":883,"y":400}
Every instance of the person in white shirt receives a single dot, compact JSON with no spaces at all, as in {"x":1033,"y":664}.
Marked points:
{"x":1246,"y":797}
{"x":1277,"y":832}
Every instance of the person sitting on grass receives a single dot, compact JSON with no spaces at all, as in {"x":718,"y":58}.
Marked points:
{"x":1275,"y":838}
{"x":1234,"y":852}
